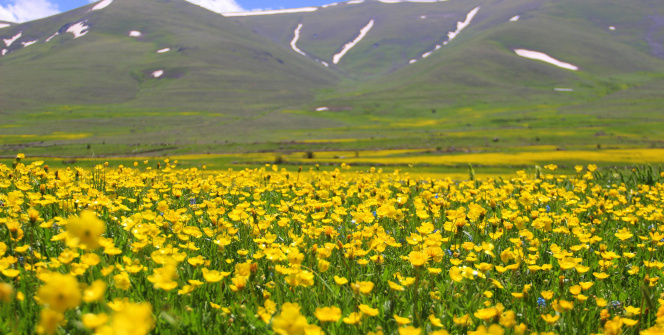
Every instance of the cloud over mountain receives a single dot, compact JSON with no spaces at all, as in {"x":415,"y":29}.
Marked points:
{"x":219,"y":6}
{"x":27,"y":10}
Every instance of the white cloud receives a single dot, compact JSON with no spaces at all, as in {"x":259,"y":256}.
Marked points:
{"x":219,"y":6}
{"x":27,"y":10}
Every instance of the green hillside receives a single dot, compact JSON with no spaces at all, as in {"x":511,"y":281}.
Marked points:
{"x":402,"y":32}
{"x":239,"y":84}
{"x":211,"y":60}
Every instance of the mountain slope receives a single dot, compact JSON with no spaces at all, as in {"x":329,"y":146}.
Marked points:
{"x":169,"y":74}
{"x":110,"y":55}
{"x":400,"y":32}
{"x":404,"y":32}
{"x":612,"y":46}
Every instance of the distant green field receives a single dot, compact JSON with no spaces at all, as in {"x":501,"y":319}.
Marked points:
{"x":234,"y":85}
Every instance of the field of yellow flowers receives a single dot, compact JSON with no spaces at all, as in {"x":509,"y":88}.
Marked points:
{"x":157,"y":249}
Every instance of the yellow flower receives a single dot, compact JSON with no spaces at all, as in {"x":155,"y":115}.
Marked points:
{"x":364,"y":287}
{"x":135,"y":319}
{"x":576,"y":289}
{"x":94,"y":321}
{"x":6,"y":292}
{"x":462,"y":321}
{"x":265,"y":312}
{"x":49,"y":321}
{"x":455,"y":274}
{"x":196,"y":261}
{"x":60,"y":292}
{"x":410,"y":330}
{"x":118,"y":304}
{"x":435,"y":321}
{"x":353,"y":318}
{"x":289,"y":321}
{"x":395,"y":286}
{"x":547,"y":295}
{"x":492,"y":330}
{"x":368,"y":310}
{"x":600,"y":275}
{"x":328,"y":314}
{"x":214,"y":276}
{"x":85,"y":230}
{"x":550,"y":319}
{"x":418,"y":258}
{"x":340,"y":280}
{"x":563,"y":305}
{"x":401,"y":321}
{"x":633,"y":310}
{"x":434,"y":271}
{"x":163,"y":278}
{"x":122,"y":281}
{"x":11,"y":273}
{"x":323,"y":265}
{"x":90,"y":259}
{"x":239,"y":283}
{"x":508,"y":319}
{"x":94,"y":292}
{"x":186,"y":290}
{"x":629,"y":322}
{"x":613,"y":327}
{"x":313,"y":330}
{"x":486,"y":313}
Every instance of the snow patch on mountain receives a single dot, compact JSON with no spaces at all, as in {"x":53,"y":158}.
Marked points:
{"x":4,"y":25}
{"x":164,"y":50}
{"x":4,"y":51}
{"x":355,"y":2}
{"x":350,"y":45}
{"x":158,"y":73}
{"x":79,"y":29}
{"x":27,"y":44}
{"x":516,"y":18}
{"x":462,"y":25}
{"x":52,"y":36}
{"x":10,"y":41}
{"x":451,"y":35}
{"x":330,"y":5}
{"x":536,"y":55}
{"x":102,"y":4}
{"x":272,"y":12}
{"x":293,"y":43}
{"x":135,"y":33}
{"x":612,"y":28}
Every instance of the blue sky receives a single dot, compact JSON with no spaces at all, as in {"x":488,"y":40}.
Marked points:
{"x":27,"y":10}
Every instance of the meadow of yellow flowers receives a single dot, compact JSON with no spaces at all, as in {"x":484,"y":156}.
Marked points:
{"x":157,"y":249}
